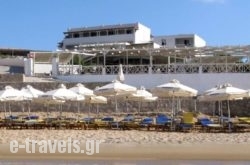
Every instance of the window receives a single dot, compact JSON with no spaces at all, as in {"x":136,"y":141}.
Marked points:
{"x":163,"y":42}
{"x":121,"y":31}
{"x":93,"y":34}
{"x":85,"y":34}
{"x":186,"y":42}
{"x":103,"y":33}
{"x":129,"y":31}
{"x":76,"y":35}
{"x":111,"y":32}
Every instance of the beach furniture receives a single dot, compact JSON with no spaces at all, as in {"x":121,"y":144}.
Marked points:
{"x":187,"y":122}
{"x":241,"y":125}
{"x":127,"y":123}
{"x":104,"y":122}
{"x":89,"y":123}
{"x":162,"y":122}
{"x":147,"y":123}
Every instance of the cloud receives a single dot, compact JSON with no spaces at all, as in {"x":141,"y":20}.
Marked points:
{"x":211,"y":1}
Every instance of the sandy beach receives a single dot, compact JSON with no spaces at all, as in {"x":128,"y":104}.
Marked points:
{"x":135,"y":145}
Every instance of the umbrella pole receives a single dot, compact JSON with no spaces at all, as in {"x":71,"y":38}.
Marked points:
{"x":116,"y":108}
{"x":97,"y":109}
{"x":5,"y":113}
{"x":9,"y":108}
{"x":29,"y":108}
{"x":195,"y":105}
{"x":229,"y":116}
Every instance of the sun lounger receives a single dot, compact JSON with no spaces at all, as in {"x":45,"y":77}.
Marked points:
{"x":147,"y":123}
{"x":163,"y":122}
{"x":187,"y":122}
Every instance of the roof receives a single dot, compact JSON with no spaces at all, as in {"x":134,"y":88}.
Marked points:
{"x":104,"y":27}
{"x":46,"y":57}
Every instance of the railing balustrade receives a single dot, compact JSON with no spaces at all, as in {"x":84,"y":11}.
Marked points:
{"x":157,"y":69}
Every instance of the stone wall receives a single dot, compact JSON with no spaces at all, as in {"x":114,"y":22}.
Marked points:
{"x":5,"y":78}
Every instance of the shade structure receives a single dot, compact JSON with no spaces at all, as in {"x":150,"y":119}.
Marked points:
{"x":10,"y":94}
{"x":115,"y":88}
{"x":174,"y":88}
{"x":120,"y":77}
{"x":61,"y":94}
{"x":32,"y":92}
{"x":225,"y":92}
{"x":82,"y":90}
{"x":141,"y":95}
{"x":96,"y":100}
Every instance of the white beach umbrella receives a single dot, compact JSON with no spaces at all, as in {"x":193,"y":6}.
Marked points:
{"x":174,"y":89}
{"x":32,"y":93}
{"x":96,"y":100}
{"x":141,"y":95}
{"x":115,"y":88}
{"x":82,"y":90}
{"x":61,"y":95}
{"x":225,"y":92}
{"x":10,"y":94}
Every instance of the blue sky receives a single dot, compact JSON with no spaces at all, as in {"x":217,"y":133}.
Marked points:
{"x":39,"y":24}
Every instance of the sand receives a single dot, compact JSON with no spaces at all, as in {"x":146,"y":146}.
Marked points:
{"x":120,"y":145}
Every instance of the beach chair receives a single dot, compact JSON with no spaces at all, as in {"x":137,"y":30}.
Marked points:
{"x":162,"y":122}
{"x":127,"y":123}
{"x":187,"y":122}
{"x":146,"y":123}
{"x":89,"y":123}
{"x":104,"y":122}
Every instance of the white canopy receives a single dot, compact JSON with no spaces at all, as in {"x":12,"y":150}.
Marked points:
{"x":142,"y":95}
{"x":223,"y":92}
{"x":174,"y":89}
{"x":115,"y":88}
{"x":96,"y":100}
{"x":62,"y":94}
{"x":34,"y":93}
{"x":11,"y":94}
{"x":82,"y":90}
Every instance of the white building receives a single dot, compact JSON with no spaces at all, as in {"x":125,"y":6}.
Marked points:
{"x":181,"y":40}
{"x":133,"y":33}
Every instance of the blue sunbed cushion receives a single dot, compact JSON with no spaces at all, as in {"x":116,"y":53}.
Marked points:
{"x":205,"y":121}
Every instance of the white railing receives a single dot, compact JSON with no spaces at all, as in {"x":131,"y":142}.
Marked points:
{"x":157,"y":69}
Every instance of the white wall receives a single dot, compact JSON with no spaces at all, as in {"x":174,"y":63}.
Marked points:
{"x":42,"y":68}
{"x":199,"y":42}
{"x":142,"y":35}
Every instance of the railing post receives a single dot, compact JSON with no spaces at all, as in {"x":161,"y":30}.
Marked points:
{"x":150,"y":70}
{"x":103,"y":70}
{"x":200,"y":69}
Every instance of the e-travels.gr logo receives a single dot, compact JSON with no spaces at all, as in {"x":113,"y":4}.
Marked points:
{"x":57,"y":146}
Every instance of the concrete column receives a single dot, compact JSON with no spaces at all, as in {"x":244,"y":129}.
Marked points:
{"x":29,"y":66}
{"x":55,"y":65}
